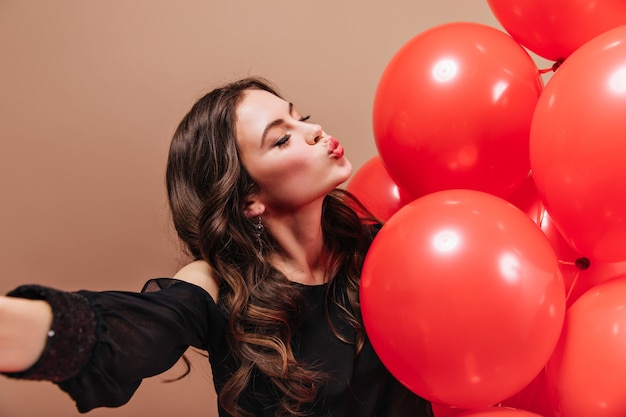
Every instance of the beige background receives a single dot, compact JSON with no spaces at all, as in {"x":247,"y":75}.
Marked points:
{"x":90,"y":93}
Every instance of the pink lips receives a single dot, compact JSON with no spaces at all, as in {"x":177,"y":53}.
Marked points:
{"x":334,"y":148}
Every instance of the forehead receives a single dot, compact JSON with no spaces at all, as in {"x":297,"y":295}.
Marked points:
{"x":255,"y":111}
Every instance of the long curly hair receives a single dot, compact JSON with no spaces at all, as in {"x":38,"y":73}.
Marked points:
{"x":207,"y":187}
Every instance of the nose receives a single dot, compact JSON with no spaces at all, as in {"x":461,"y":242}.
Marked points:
{"x":315,"y":134}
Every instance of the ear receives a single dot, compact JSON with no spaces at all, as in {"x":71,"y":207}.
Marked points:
{"x":253,"y":207}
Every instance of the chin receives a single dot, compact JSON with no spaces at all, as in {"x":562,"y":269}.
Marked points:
{"x":341,"y":173}
{"x":348,"y":169}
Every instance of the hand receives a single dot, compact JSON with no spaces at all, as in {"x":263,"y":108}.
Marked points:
{"x":24,"y":326}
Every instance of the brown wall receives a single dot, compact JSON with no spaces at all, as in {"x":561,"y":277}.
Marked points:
{"x":90,"y":93}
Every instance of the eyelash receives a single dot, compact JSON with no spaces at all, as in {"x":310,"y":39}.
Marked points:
{"x":282,"y":141}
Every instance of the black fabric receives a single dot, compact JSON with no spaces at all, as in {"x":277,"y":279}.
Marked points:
{"x":139,"y":335}
{"x":66,"y":352}
{"x":143,"y":334}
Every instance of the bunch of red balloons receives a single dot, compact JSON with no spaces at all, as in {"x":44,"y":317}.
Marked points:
{"x":497,"y":286}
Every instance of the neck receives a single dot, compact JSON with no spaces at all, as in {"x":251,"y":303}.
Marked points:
{"x":300,"y":255}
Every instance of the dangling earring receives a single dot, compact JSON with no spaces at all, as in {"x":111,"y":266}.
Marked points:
{"x":258,"y":230}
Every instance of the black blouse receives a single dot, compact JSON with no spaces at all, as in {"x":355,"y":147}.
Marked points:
{"x":102,"y":344}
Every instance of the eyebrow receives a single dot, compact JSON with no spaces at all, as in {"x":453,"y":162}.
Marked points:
{"x":273,"y":124}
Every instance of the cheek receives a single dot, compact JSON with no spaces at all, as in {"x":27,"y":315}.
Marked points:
{"x":288,"y":172}
{"x":291,"y":179}
{"x":288,"y":165}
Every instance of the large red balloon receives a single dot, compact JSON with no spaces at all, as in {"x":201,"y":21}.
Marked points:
{"x":453,"y":110}
{"x":588,"y":368}
{"x":534,"y":397}
{"x":579,"y":281}
{"x":554,"y":29}
{"x":373,"y":186}
{"x":442,"y":410}
{"x":527,"y":199}
{"x":499,"y":412}
{"x":462,"y":298}
{"x":578,"y":151}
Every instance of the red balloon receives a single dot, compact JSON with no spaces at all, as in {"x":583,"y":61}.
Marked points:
{"x":553,"y":29}
{"x":534,"y":397}
{"x":527,"y":199}
{"x":453,"y":110}
{"x":578,"y":151}
{"x":588,"y":368}
{"x":564,"y":251}
{"x":506,"y":411}
{"x":462,"y":298}
{"x":500,"y":412}
{"x":578,"y":281}
{"x":441,"y":410}
{"x":373,"y":186}
{"x":579,"y":273}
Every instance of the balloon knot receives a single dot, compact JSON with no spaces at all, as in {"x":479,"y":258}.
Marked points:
{"x":553,"y":68}
{"x":557,"y":64}
{"x":583,"y":263}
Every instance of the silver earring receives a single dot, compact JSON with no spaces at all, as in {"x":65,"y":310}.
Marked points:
{"x":258,"y":230}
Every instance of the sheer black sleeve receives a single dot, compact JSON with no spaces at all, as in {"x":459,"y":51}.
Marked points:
{"x":102,"y":344}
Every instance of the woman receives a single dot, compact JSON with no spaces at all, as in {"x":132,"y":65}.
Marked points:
{"x":271,"y":294}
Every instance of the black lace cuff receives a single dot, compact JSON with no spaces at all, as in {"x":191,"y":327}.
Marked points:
{"x":71,"y":338}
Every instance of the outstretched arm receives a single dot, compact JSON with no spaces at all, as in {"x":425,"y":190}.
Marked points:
{"x":24,"y":326}
{"x":98,"y":346}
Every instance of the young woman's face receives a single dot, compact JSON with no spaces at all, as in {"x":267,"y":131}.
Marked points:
{"x":292,"y":161}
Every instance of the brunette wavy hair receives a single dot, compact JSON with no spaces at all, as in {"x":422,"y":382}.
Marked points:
{"x":207,"y":188}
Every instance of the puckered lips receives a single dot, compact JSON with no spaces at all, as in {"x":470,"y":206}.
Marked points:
{"x":335,"y":150}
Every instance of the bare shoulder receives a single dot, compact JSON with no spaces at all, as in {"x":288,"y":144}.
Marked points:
{"x":199,"y":273}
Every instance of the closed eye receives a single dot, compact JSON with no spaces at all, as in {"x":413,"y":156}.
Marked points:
{"x":282,"y":141}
